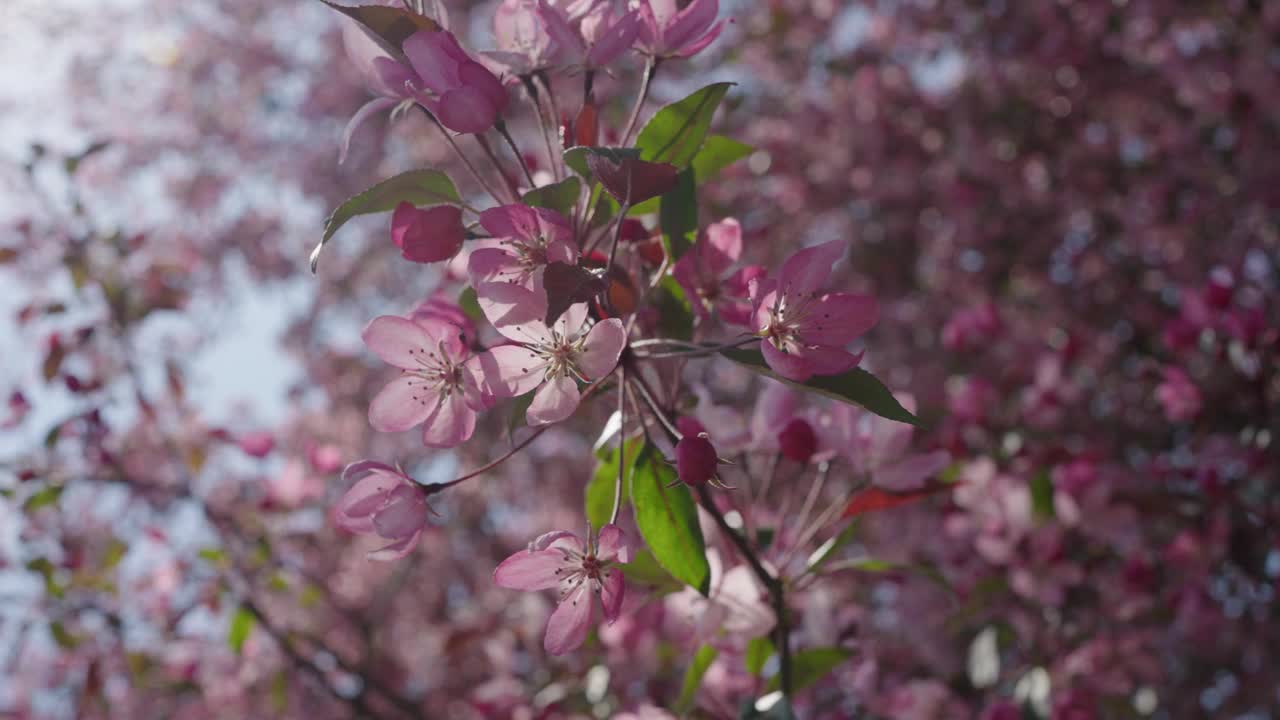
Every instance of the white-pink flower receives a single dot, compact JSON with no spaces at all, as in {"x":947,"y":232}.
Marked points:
{"x":440,"y":384}
{"x":555,"y":358}
{"x":668,"y":31}
{"x":805,"y":331}
{"x":507,"y":270}
{"x":383,"y":502}
{"x":559,"y":560}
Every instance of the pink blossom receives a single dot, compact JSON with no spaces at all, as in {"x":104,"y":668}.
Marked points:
{"x":559,"y":560}
{"x":668,"y":31}
{"x":383,"y":502}
{"x":555,"y":358}
{"x":701,"y":272}
{"x":590,"y":39}
{"x":440,"y":307}
{"x":439,"y":386}
{"x":507,"y":271}
{"x":879,"y":448}
{"x":797,"y":440}
{"x":387,"y":79}
{"x":427,"y":236}
{"x":734,"y":610}
{"x":1178,"y":395}
{"x":463,"y":95}
{"x":524,"y":46}
{"x":804,"y":331}
{"x":258,"y":443}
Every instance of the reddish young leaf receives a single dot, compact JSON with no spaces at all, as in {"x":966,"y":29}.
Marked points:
{"x":873,"y":499}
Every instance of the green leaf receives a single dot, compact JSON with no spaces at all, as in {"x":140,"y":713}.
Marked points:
{"x":678,"y":215}
{"x":561,"y":196}
{"x":599,"y":493}
{"x":645,"y":570}
{"x":420,"y":187}
{"x":43,"y":497}
{"x":668,"y":519}
{"x":241,"y":625}
{"x":470,"y":305}
{"x":810,"y":666}
{"x":693,"y":677}
{"x":47,"y":571}
{"x":61,"y":636}
{"x":759,"y":650}
{"x":1042,"y":496}
{"x":857,"y":386}
{"x":213,"y":556}
{"x":114,"y":554}
{"x":675,"y":315}
{"x":519,"y":411}
{"x":676,"y":132}
{"x":718,"y":153}
{"x":389,"y":26}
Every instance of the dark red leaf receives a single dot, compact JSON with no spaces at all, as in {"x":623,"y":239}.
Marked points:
{"x":567,"y":285}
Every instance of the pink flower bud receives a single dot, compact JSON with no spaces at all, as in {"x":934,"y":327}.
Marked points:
{"x":798,"y":441}
{"x":429,"y":235}
{"x":463,"y":95}
{"x":259,"y":443}
{"x":695,"y":459}
{"x":689,"y":426}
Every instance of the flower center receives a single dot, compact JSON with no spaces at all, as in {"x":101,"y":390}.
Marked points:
{"x":435,"y":372}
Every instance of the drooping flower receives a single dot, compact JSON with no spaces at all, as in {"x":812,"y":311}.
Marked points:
{"x":804,"y":330}
{"x":440,"y":384}
{"x":507,"y":271}
{"x":524,"y":46}
{"x":559,"y":560}
{"x":387,"y":79}
{"x":555,"y":358}
{"x":429,"y":235}
{"x":701,"y":272}
{"x":383,"y":502}
{"x":462,"y":94}
{"x":589,"y":39}
{"x":668,"y":31}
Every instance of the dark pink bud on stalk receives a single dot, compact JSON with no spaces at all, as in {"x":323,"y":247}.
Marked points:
{"x":695,"y":459}
{"x":631,"y":180}
{"x":798,"y":441}
{"x":689,"y":426}
{"x":429,"y":235}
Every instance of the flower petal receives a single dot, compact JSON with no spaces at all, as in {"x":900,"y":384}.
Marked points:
{"x":838,"y":318}
{"x":613,"y":544}
{"x":612,"y":590}
{"x":404,"y":514}
{"x":397,"y":549}
{"x":567,"y":627}
{"x":365,"y":112}
{"x":354,"y":512}
{"x":466,"y":110}
{"x":402,"y":404}
{"x":807,"y":270}
{"x":398,"y":341}
{"x":510,"y":370}
{"x":601,"y":349}
{"x":555,"y":401}
{"x":787,"y":365}
{"x":451,"y":424}
{"x":531,"y":570}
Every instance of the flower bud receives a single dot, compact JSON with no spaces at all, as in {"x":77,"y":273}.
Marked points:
{"x":798,"y":441}
{"x":695,"y":459}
